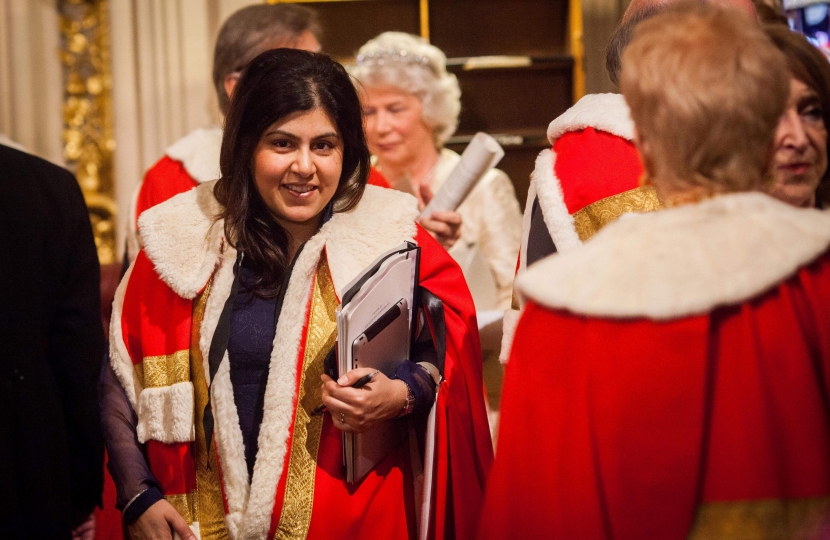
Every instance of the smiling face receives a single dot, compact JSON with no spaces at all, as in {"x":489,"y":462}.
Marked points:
{"x":395,"y":128}
{"x":296,"y":169}
{"x":800,"y":147}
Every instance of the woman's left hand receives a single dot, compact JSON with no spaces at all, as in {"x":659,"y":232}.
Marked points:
{"x":357,"y":409}
{"x":444,"y":226}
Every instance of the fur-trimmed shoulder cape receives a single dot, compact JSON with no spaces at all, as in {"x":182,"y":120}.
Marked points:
{"x":672,"y":372}
{"x":683,"y":261}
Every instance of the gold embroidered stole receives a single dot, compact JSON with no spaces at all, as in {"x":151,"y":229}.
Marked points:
{"x":765,"y":519}
{"x":205,"y":504}
{"x":295,"y":518}
{"x":594,"y":217}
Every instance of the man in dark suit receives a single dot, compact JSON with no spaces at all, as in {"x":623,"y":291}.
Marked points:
{"x":51,"y":346}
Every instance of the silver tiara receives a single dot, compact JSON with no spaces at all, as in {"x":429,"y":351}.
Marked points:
{"x":380,"y":57}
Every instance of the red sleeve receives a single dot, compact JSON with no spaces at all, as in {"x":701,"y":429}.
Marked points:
{"x":162,"y":181}
{"x":155,"y":321}
{"x":464,"y":450}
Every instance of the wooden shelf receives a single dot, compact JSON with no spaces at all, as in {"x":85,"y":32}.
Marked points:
{"x":506,"y":139}
{"x":514,"y":100}
{"x":487,"y":27}
{"x":348,"y":24}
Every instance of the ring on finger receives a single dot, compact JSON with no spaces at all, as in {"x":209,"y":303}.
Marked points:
{"x":342,"y":418}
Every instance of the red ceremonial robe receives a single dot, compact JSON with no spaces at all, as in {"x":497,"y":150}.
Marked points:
{"x":589,"y":177}
{"x":297,"y":489}
{"x":669,"y":380}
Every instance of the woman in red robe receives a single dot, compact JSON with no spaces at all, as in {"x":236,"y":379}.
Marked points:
{"x":222,"y":326}
{"x":669,"y":378}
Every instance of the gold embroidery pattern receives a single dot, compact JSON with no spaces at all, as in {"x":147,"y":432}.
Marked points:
{"x":768,"y":519}
{"x":594,"y":217}
{"x":211,"y":512}
{"x":87,"y":113}
{"x":185,"y":505}
{"x":159,"y":371}
{"x":299,"y":489}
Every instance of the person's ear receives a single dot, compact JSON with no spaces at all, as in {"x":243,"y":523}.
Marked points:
{"x":230,"y":83}
{"x":645,"y":151}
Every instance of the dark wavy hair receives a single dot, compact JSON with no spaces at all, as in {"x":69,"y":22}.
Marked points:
{"x":275,"y":84}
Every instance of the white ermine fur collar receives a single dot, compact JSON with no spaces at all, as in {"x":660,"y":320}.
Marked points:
{"x":187,"y":247}
{"x":603,"y":112}
{"x":681,"y":261}
{"x":184,"y":242}
{"x":199,"y":153}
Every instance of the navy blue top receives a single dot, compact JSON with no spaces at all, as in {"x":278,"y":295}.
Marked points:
{"x":253,"y":327}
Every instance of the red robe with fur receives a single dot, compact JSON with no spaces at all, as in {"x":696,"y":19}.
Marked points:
{"x":156,"y":321}
{"x":646,"y":423}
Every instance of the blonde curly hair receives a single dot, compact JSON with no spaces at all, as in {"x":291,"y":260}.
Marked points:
{"x":706,"y":88}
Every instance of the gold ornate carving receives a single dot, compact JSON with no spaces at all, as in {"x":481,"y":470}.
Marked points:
{"x":295,"y":518}
{"x":87,"y":110}
{"x":768,"y":519}
{"x":577,"y":47}
{"x":594,"y":217}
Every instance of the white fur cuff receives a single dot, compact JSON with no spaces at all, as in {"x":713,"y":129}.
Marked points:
{"x":511,"y":320}
{"x":166,"y":414}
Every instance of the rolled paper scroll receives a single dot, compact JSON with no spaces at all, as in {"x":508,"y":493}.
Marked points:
{"x":481,"y":155}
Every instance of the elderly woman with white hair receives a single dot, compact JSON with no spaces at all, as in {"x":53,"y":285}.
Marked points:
{"x":411,"y":104}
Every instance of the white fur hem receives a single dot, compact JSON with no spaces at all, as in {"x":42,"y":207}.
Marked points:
{"x":511,"y":320}
{"x":559,"y":222}
{"x":120,"y":360}
{"x":183,"y":240}
{"x":166,"y":414}
{"x":603,"y":112}
{"x":681,"y":261}
{"x":231,"y":448}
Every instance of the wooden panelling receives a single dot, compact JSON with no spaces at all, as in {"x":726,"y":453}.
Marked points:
{"x":348,"y":25}
{"x":490,"y":27}
{"x":514,"y":100}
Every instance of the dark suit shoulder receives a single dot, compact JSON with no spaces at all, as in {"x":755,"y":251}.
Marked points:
{"x":29,"y":180}
{"x":17,"y":163}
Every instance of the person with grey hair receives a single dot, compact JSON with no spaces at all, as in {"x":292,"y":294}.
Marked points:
{"x":591,"y":174}
{"x":411,"y":104}
{"x":194,"y":158}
